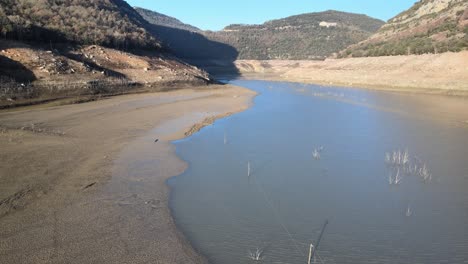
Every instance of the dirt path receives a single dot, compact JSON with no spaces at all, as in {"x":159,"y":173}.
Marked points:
{"x":67,"y":192}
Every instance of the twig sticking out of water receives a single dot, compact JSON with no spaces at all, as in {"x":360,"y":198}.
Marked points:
{"x":401,"y":164}
{"x":398,"y":177}
{"x":397,"y":158}
{"x":316,"y":154}
{"x":424,"y":174}
{"x":395,"y":180}
{"x":409,"y":212}
{"x":311,"y":249}
{"x":256,"y":255}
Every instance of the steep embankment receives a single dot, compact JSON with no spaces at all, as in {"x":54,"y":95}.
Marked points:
{"x":306,"y":36}
{"x":430,"y":26}
{"x":431,"y":73}
{"x":36,"y":74}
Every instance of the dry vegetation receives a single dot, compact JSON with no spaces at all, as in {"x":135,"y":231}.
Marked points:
{"x":430,"y":26}
{"x":110,"y":23}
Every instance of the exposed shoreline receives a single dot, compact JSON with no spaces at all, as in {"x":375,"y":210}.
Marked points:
{"x":57,"y":164}
{"x":444,"y":74}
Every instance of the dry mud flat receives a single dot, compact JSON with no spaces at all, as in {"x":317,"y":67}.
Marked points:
{"x":445,"y":73}
{"x":56,"y":164}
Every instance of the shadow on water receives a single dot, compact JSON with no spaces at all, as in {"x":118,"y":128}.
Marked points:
{"x":214,"y":57}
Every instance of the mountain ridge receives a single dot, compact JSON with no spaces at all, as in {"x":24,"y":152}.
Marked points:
{"x":304,"y":36}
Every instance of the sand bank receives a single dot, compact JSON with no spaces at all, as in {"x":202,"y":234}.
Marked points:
{"x":445,"y":73}
{"x":68,"y":191}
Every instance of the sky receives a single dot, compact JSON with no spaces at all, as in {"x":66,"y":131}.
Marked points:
{"x":216,"y":14}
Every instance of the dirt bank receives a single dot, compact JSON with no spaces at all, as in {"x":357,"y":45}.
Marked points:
{"x":36,"y":73}
{"x":58,"y":201}
{"x":445,"y":73}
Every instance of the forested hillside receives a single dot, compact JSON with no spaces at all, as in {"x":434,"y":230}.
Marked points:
{"x":156,"y":18}
{"x":111,"y":23}
{"x":186,"y":41}
{"x":307,"y":36}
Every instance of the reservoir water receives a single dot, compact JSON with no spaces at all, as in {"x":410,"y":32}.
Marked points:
{"x":388,"y":171}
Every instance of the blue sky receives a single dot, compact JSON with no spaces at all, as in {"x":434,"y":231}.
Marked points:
{"x":216,"y":14}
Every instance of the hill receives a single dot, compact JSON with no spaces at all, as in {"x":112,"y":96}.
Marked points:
{"x":156,"y":18}
{"x":103,"y":22}
{"x":430,"y":26}
{"x":53,"y":49}
{"x":306,"y":36}
{"x":186,"y":41}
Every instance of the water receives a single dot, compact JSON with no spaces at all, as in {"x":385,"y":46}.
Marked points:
{"x":282,"y":206}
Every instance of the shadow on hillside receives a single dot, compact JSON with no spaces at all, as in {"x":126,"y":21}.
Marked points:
{"x":13,"y":70}
{"x":214,"y":57}
{"x":89,"y":63}
{"x":47,"y":40}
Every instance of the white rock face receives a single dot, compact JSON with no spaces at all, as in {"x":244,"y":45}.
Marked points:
{"x":328,"y":24}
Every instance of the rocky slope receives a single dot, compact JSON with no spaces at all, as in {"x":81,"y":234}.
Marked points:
{"x":52,"y":49}
{"x":430,"y":26}
{"x":34,"y":73}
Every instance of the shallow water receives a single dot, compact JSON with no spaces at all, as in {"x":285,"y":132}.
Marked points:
{"x":282,"y":206}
